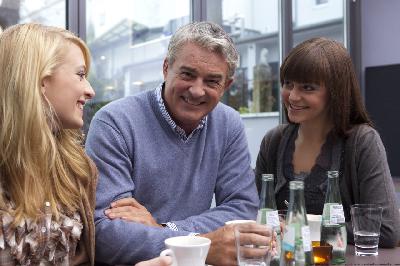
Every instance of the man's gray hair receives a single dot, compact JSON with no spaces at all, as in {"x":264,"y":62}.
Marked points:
{"x":207,"y":35}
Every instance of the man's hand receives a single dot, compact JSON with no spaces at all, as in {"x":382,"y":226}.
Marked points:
{"x":222,"y":250}
{"x":223,"y":246}
{"x":131,"y":210}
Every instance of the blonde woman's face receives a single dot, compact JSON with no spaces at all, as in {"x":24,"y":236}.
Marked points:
{"x":68,"y":89}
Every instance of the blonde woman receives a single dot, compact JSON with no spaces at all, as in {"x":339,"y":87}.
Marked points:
{"x":47,"y":181}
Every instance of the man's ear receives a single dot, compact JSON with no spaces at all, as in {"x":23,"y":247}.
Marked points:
{"x":165,"y":68}
{"x":228,"y":84}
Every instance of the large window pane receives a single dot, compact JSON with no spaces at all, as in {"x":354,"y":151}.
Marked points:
{"x":317,"y":18}
{"x":128,"y":40}
{"x":49,"y":12}
{"x":253,"y":25}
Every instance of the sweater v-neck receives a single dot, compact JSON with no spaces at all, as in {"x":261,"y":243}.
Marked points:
{"x":171,"y":133}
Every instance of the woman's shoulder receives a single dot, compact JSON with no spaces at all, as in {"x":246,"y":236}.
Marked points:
{"x":362,"y":137}
{"x":278,"y":131}
{"x":272,"y":139}
{"x":363,"y":131}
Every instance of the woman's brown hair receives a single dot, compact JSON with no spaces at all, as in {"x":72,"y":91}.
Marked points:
{"x":326,"y":62}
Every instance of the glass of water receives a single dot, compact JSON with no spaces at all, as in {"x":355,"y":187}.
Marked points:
{"x":253,"y":244}
{"x":366,"y":220}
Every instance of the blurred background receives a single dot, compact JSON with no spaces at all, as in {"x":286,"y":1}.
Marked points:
{"x":128,"y":40}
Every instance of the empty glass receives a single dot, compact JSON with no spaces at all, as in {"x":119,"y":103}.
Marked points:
{"x":366,"y":220}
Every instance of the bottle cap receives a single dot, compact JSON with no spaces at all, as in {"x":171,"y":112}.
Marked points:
{"x":296,"y":185}
{"x":267,"y":177}
{"x":333,"y":174}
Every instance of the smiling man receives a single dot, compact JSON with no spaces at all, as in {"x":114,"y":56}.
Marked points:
{"x":162,"y":155}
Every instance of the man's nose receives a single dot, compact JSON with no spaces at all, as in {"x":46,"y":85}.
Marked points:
{"x":197,"y":88}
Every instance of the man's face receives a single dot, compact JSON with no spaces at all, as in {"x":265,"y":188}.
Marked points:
{"x":194,"y":84}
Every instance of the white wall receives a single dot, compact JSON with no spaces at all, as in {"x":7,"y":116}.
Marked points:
{"x":380,"y":35}
{"x":380,"y":32}
{"x":256,"y":126}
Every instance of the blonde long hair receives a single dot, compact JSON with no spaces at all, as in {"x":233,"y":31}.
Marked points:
{"x":39,"y":161}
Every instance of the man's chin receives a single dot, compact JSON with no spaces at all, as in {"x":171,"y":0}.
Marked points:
{"x":190,"y":120}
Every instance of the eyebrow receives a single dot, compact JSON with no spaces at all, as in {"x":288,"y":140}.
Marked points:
{"x":215,"y":76}
{"x":192,"y":70}
{"x":82,"y":67}
{"x":189,"y":69}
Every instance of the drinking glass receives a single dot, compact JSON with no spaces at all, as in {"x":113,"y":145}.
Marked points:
{"x":366,"y":220}
{"x":253,"y":244}
{"x":282,"y":218}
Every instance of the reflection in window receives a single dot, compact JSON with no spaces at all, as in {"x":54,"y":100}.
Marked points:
{"x":129,"y":40}
{"x":253,"y":25}
{"x":318,"y":19}
{"x":321,"y":2}
{"x":48,"y":12}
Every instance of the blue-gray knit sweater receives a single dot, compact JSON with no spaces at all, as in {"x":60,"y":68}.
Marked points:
{"x":139,"y":155}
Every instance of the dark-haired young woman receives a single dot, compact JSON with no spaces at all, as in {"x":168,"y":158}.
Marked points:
{"x":328,"y":129}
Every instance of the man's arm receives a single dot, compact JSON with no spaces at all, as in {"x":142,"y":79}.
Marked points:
{"x":119,"y":241}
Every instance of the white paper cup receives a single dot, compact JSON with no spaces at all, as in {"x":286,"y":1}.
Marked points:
{"x":314,"y":222}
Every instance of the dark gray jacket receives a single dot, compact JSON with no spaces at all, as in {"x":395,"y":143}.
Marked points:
{"x":366,"y":176}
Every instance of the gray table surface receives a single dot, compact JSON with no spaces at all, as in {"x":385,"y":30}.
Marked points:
{"x":386,"y":256}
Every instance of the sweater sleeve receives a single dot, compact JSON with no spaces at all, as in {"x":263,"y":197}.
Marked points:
{"x":235,"y":191}
{"x":118,"y":241}
{"x":376,"y":185}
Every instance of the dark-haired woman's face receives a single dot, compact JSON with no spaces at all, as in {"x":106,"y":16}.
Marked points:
{"x":305,"y":102}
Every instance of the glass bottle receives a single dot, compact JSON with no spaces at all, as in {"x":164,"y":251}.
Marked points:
{"x":333,"y":227}
{"x":296,"y":244}
{"x":267,"y":213}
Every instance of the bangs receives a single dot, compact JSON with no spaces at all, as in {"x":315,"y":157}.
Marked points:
{"x":306,"y":65}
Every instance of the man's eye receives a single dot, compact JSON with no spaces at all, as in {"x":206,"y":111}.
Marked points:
{"x":186,"y":75}
{"x":213,"y":83}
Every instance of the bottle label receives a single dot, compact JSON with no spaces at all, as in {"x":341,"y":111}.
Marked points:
{"x":336,"y":214}
{"x":288,"y":238}
{"x":272,"y":218}
{"x":305,"y":233}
